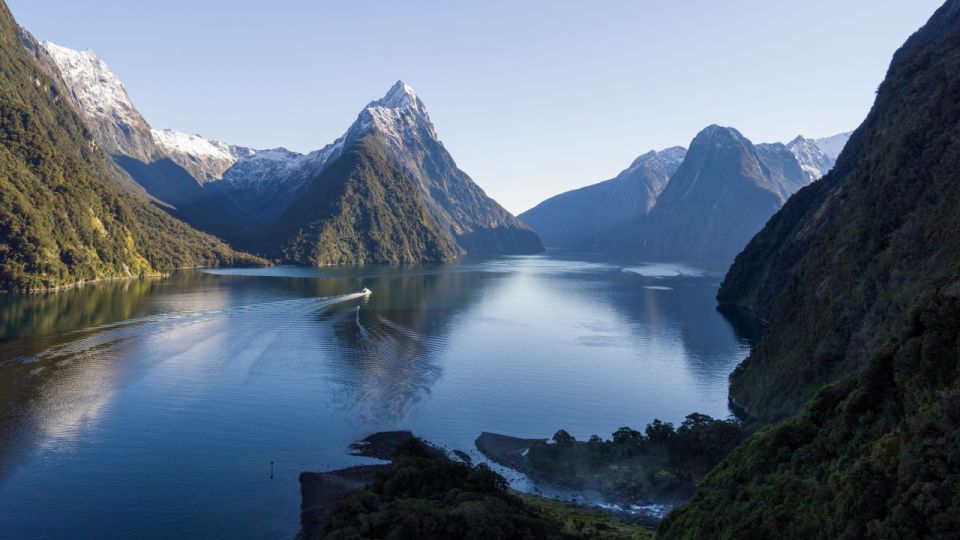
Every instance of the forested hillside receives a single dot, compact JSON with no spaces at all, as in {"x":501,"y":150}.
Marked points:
{"x":859,"y":278}
{"x":61,"y":219}
{"x":362,"y":209}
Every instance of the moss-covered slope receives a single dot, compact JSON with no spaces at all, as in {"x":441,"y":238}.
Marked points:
{"x":873,"y":456}
{"x":836,"y":269}
{"x":361,"y":209}
{"x":859,"y":278}
{"x":62,"y":220}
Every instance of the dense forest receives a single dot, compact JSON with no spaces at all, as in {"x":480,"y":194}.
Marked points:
{"x":62,"y":219}
{"x":362,"y":209}
{"x":425,"y":495}
{"x":660,"y":465}
{"x":859,"y":278}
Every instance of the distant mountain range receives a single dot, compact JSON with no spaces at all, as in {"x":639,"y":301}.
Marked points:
{"x":701,"y":205}
{"x":387,"y":191}
{"x":287,"y":205}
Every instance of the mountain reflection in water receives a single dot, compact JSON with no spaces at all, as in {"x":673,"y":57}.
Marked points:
{"x":192,"y":384}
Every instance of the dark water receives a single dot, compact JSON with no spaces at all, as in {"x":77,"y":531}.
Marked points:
{"x":152,"y":409}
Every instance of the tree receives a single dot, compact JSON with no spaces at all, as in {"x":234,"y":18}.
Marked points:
{"x":660,"y":432}
{"x":626,"y":434}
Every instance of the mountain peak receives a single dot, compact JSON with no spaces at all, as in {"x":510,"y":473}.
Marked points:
{"x":399,"y":115}
{"x":714,"y":131}
{"x":400,"y":95}
{"x":102,"y":99}
{"x":798,"y":140}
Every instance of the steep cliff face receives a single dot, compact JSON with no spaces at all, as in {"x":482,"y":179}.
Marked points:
{"x":583,"y":218}
{"x":62,"y":219}
{"x":102,"y":99}
{"x":362,"y":209}
{"x":814,"y":161}
{"x":478,"y":223}
{"x":718,"y":198}
{"x":205,"y":159}
{"x":848,"y":254}
{"x":859,"y":278}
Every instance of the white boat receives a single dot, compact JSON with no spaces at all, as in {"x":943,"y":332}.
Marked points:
{"x":366,"y":292}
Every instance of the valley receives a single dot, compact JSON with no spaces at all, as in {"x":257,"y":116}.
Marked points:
{"x":726,"y":339}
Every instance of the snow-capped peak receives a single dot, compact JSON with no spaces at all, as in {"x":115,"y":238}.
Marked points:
{"x":812,"y":160}
{"x":400,"y":94}
{"x":399,"y":116}
{"x":98,"y":90}
{"x":205,"y":159}
{"x":172,"y":141}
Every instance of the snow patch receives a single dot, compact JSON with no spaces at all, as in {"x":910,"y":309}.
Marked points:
{"x":176,"y":141}
{"x":99,"y":91}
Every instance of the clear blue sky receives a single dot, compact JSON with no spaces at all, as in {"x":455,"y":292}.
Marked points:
{"x":531,"y":98}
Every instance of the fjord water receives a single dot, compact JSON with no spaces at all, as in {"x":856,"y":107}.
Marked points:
{"x":154,"y":408}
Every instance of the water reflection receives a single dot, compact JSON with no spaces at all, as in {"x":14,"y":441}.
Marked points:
{"x":380,"y":355}
{"x":211,"y":373}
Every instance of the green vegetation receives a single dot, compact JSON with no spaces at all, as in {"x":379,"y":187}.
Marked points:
{"x":875,"y":456}
{"x":859,"y":278}
{"x":586,"y":522}
{"x":361,"y":209}
{"x":424,"y":495}
{"x":61,"y":219}
{"x":660,"y":465}
{"x":835,"y":271}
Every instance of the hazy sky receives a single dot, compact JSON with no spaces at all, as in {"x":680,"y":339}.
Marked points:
{"x":531,"y":98}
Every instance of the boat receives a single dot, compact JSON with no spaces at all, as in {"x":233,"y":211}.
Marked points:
{"x":366,"y":292}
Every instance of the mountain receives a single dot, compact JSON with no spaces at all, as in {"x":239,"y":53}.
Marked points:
{"x":698,"y":221}
{"x":813,"y":160}
{"x":102,"y":98}
{"x":238,"y":193}
{"x":394,"y":141}
{"x":719,"y":197}
{"x":832,"y":146}
{"x":575,"y":218}
{"x":785,"y":165}
{"x":361,"y":209}
{"x":62,"y":218}
{"x":205,"y":159}
{"x":859,"y":278}
{"x":479,"y":225}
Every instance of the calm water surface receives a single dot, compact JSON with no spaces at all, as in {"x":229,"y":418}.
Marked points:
{"x":153,"y":408}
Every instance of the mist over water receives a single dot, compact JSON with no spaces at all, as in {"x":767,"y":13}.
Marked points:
{"x":154,"y":408}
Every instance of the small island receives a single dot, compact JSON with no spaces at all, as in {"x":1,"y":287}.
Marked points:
{"x":424,"y":493}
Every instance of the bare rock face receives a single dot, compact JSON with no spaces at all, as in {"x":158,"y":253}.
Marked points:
{"x":477,"y":222}
{"x":102,"y":100}
{"x":205,"y":159}
{"x":813,"y":160}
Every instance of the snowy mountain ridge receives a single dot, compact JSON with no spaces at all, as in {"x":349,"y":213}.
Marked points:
{"x":104,"y":101}
{"x":812,"y":159}
{"x":98,"y":90}
{"x":206,"y":159}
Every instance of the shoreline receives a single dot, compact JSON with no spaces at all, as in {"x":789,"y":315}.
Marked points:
{"x":84,"y":283}
{"x":322,"y":492}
